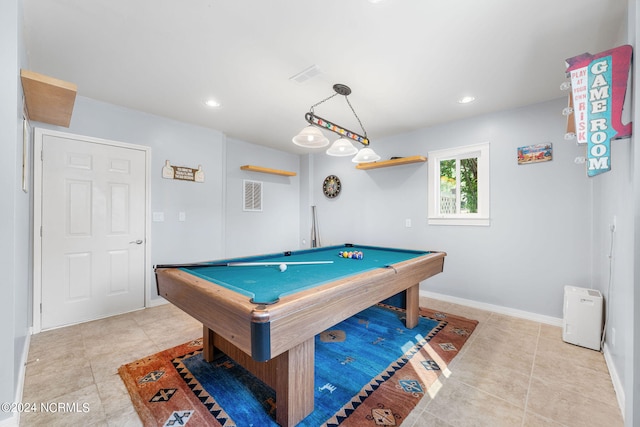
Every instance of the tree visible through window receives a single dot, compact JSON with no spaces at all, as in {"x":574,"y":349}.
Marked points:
{"x":459,"y":177}
{"x":459,"y":185}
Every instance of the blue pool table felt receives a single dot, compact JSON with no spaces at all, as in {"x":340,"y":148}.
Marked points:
{"x":266,"y":284}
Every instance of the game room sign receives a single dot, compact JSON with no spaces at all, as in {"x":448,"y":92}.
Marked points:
{"x":598,"y":89}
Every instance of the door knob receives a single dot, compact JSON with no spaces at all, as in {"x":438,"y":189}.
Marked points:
{"x":137,"y":242}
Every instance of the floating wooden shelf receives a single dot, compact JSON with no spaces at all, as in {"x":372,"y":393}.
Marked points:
{"x":267,"y":170}
{"x":48,"y":100}
{"x":394,"y":162}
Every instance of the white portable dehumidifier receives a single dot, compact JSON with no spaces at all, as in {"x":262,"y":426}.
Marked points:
{"x":582,"y":322}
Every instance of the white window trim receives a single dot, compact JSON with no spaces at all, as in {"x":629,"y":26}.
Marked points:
{"x":482,"y":218}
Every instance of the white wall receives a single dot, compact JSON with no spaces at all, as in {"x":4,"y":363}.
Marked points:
{"x":616,"y":194}
{"x":276,"y":227}
{"x":14,"y":210}
{"x":616,"y":198}
{"x":632,"y":333}
{"x":8,"y":131}
{"x":632,"y":386}
{"x":539,"y":238}
{"x":614,"y":276}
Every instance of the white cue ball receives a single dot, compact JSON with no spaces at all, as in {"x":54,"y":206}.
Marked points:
{"x":283,"y":267}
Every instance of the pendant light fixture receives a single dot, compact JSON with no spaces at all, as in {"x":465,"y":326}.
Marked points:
{"x":312,"y":137}
{"x":341,"y":148}
{"x":366,"y":155}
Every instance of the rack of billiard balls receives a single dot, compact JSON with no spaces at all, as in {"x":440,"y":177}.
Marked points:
{"x":351,"y":254}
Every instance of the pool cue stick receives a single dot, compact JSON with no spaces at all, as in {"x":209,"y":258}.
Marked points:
{"x":189,"y":265}
{"x":315,"y":233}
{"x":239,"y":264}
{"x":249,"y":264}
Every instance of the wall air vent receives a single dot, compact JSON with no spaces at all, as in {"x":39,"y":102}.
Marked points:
{"x":252,"y":196}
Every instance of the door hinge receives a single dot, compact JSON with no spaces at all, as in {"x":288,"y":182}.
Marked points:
{"x":40,"y":231}
{"x":40,"y":308}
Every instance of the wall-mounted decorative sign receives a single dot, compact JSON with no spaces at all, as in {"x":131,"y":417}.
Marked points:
{"x":535,"y":153}
{"x":598,"y":89}
{"x":182,"y":173}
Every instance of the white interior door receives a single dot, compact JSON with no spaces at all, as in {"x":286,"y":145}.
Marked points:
{"x":93,"y":230}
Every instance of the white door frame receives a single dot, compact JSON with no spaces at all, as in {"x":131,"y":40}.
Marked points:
{"x":39,"y":134}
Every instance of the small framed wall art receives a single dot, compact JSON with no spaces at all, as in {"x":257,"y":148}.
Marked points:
{"x":535,"y":153}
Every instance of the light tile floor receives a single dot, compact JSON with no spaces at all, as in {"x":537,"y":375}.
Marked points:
{"x":511,"y":372}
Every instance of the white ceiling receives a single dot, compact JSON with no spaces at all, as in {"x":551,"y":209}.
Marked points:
{"x":406,"y":61}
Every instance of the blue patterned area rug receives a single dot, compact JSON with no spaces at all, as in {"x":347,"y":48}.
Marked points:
{"x":369,"y":370}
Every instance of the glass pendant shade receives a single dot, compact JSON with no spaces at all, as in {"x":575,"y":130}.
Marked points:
{"x":310,"y":137}
{"x":342,"y":147}
{"x":365,"y":155}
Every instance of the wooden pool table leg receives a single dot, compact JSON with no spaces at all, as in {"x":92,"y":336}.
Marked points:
{"x":293,"y":376}
{"x":208,"y":349}
{"x":413,"y":306}
{"x":294,"y":383}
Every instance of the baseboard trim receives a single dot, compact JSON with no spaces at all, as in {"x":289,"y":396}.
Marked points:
{"x":14,"y":420}
{"x":155,"y":302}
{"x":615,"y":378}
{"x":554,"y":321}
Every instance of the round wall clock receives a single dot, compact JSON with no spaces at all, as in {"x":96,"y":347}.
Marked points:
{"x":331,"y":186}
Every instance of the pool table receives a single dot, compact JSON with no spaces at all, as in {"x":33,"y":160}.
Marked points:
{"x":266,"y":319}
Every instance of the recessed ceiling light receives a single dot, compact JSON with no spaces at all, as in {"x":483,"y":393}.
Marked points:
{"x":212,"y":103}
{"x":466,"y":99}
